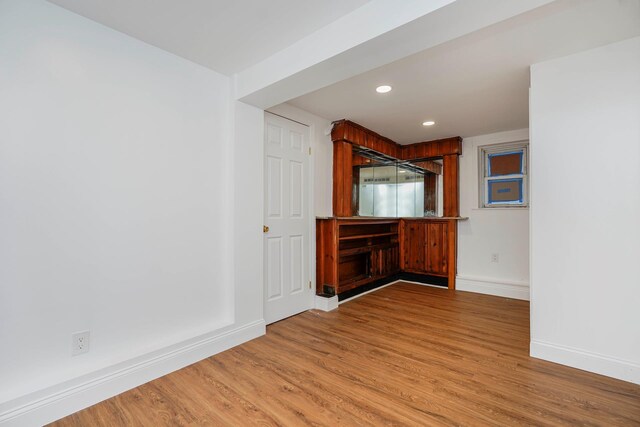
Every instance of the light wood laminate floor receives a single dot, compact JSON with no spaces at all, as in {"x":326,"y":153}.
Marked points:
{"x":403,"y":355}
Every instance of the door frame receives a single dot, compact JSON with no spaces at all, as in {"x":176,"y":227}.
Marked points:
{"x":311,"y":219}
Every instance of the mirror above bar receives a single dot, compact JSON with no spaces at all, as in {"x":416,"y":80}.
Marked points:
{"x":375,"y":177}
{"x":384,"y":187}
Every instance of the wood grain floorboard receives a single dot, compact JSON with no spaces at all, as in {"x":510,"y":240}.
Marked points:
{"x":403,"y":355}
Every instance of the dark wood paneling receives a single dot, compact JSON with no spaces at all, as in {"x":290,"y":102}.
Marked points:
{"x":353,"y":268}
{"x":353,"y":253}
{"x":436,"y":248}
{"x":429,"y":247}
{"x":359,"y":160}
{"x":451,"y":183}
{"x":414,"y":246}
{"x":402,"y":229}
{"x":353,"y":133}
{"x":355,"y":191}
{"x":428,"y":149}
{"x":345,"y":130}
{"x":430,"y":166}
{"x":430,"y":192}
{"x":342,"y":178}
{"x":390,"y":261}
{"x":326,"y":254}
{"x":452,"y":253}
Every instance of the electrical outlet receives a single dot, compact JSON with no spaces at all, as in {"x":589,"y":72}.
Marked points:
{"x":495,"y":258}
{"x":79,"y":343}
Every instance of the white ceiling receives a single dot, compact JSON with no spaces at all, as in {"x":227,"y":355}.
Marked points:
{"x":474,"y":85}
{"x":224,"y":35}
{"x":477,"y":84}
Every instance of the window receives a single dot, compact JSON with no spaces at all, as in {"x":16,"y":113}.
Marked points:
{"x":503,"y":175}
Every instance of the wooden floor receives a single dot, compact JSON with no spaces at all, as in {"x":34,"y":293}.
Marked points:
{"x":404,"y":355}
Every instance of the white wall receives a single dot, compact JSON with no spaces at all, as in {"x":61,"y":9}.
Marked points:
{"x":502,"y":231}
{"x":248,"y":212}
{"x":116,"y":212}
{"x":585,"y":215}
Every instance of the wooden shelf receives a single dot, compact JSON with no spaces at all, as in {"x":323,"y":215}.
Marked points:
{"x":363,"y":251}
{"x":355,"y":279}
{"x":366,"y":236}
{"x":356,"y":251}
{"x":354,"y":254}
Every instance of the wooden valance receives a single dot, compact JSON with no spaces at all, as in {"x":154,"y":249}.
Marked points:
{"x":353,"y":133}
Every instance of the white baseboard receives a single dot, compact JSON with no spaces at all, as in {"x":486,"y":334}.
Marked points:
{"x":587,"y":361}
{"x":64,"y":399}
{"x":326,"y":304}
{"x":500,"y":288}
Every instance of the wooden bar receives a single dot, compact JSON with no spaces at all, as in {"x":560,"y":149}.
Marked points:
{"x":353,"y":252}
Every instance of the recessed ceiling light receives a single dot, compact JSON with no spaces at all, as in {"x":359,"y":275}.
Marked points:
{"x":383,"y":89}
{"x":402,"y":171}
{"x":428,"y":123}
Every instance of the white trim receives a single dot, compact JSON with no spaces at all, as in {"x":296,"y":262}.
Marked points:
{"x":287,"y":118}
{"x":311,"y":188}
{"x":593,"y":362}
{"x":53,"y":403}
{"x":310,"y":235}
{"x":497,"y":208}
{"x":420,"y":283}
{"x":326,"y":303}
{"x":497,"y":287}
{"x":303,"y":118}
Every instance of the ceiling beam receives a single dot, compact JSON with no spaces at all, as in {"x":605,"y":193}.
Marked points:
{"x":380,"y":32}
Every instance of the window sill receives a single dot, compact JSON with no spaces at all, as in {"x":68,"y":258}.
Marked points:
{"x":518,"y":208}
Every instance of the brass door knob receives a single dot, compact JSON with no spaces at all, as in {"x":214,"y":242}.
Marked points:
{"x":265,"y":228}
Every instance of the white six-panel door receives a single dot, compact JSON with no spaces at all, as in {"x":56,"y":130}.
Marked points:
{"x":286,"y":208}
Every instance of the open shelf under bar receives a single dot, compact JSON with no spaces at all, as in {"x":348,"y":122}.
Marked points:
{"x":366,"y":236}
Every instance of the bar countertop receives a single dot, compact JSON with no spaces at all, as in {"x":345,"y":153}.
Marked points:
{"x":369,"y":218}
